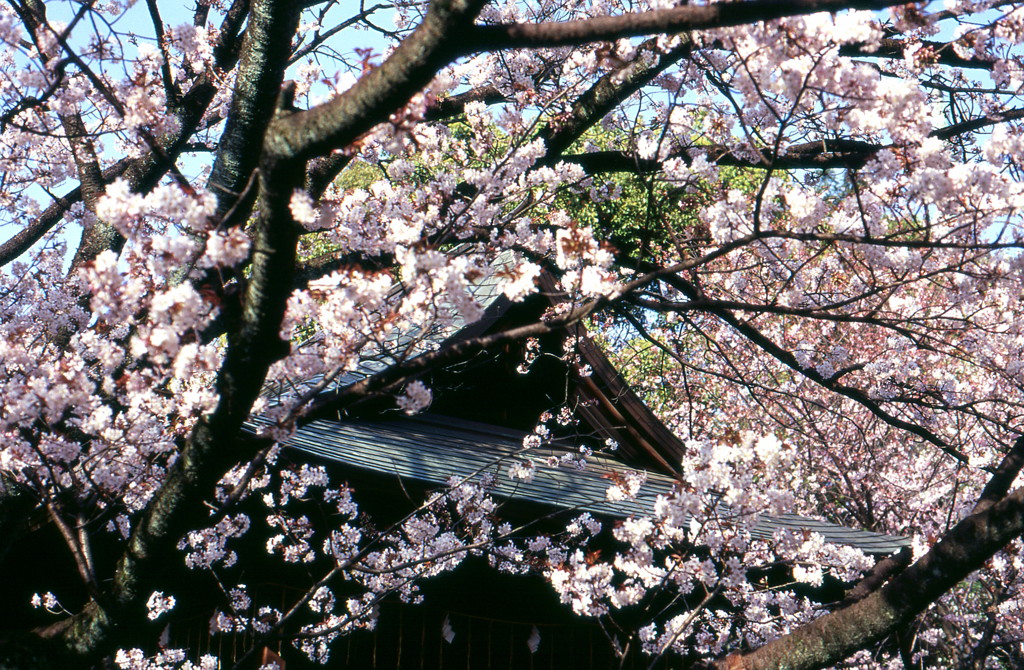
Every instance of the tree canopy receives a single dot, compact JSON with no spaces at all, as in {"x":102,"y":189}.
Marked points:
{"x":795,"y":226}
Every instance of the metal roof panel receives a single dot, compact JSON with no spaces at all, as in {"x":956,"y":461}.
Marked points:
{"x":432,"y":449}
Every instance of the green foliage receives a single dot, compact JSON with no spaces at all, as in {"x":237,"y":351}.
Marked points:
{"x":647,"y":218}
{"x":358,"y":174}
{"x":314,"y":247}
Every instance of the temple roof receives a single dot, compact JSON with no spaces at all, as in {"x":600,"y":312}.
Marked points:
{"x":433,"y":449}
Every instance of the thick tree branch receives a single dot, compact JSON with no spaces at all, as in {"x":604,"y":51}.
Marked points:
{"x":940,"y":53}
{"x":977,"y":123}
{"x":97,"y":236}
{"x":226,"y":50}
{"x":323,"y":171}
{"x":22,"y":241}
{"x":212,"y":447}
{"x":382,"y":90}
{"x":818,"y":154}
{"x":265,"y":52}
{"x":609,"y":92}
{"x":835,"y":636}
{"x":142,"y":174}
{"x":878,"y":575}
{"x":674,"y":20}
{"x":455,"y":104}
{"x":1002,"y":477}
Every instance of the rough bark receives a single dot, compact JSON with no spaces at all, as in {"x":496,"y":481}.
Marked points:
{"x":97,"y":236}
{"x":265,"y":51}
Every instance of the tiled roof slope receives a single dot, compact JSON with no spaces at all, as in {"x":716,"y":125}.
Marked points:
{"x":432,"y":449}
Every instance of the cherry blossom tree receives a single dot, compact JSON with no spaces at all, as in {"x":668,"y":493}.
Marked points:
{"x":796,"y":223}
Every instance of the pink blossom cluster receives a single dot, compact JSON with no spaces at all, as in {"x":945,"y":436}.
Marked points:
{"x":804,"y":233}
